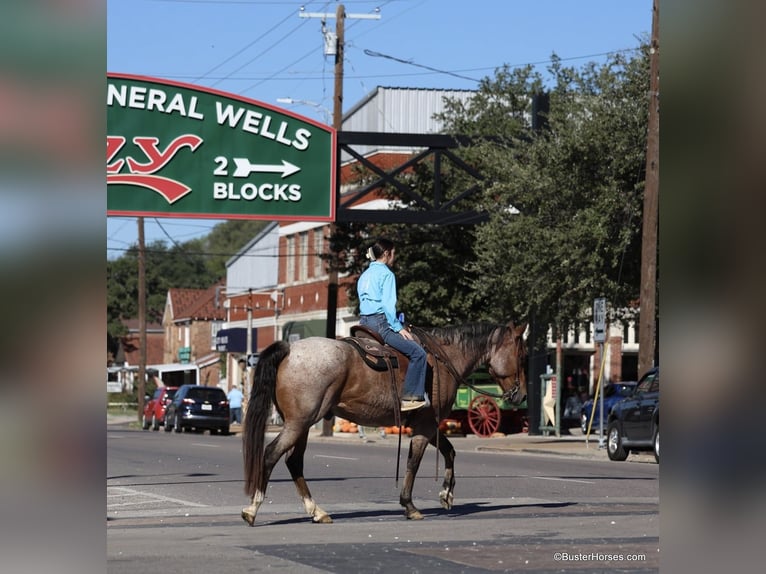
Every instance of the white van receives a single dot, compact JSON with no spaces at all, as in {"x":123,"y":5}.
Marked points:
{"x":175,"y":374}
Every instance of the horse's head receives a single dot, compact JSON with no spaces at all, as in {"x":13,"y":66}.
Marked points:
{"x":507,"y":362}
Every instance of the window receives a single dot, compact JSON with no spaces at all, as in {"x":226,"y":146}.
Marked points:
{"x":318,"y":251}
{"x":209,"y":394}
{"x":290,"y":277}
{"x":215,"y":326}
{"x":303,"y":270}
{"x":650,"y":383}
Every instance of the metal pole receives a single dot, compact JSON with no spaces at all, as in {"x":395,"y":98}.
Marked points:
{"x":601,"y":440}
{"x":141,"y":318}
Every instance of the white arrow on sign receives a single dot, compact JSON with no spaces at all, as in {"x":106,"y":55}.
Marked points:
{"x":245,"y":168}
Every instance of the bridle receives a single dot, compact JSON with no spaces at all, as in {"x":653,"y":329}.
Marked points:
{"x":515,"y":387}
{"x":432,"y":345}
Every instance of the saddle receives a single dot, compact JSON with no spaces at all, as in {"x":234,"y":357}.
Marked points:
{"x":375,"y":353}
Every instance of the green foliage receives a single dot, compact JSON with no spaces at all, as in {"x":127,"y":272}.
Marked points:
{"x":564,"y":203}
{"x":578,"y":189}
{"x":434,"y":286}
{"x":195,"y":264}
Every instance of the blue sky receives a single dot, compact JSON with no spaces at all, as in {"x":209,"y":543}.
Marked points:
{"x":263,"y":50}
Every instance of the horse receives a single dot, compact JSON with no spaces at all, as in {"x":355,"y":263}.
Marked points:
{"x":315,"y":378}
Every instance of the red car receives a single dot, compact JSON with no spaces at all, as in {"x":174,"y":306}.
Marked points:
{"x":154,"y":410}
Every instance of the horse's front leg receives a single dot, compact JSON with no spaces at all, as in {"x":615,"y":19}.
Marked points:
{"x":418,"y":446}
{"x":295,"y":466}
{"x":448,"y":486}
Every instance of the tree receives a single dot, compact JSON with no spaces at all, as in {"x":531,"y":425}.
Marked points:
{"x":433,"y":280}
{"x":566,"y":228}
{"x":195,"y":264}
{"x":564,"y":203}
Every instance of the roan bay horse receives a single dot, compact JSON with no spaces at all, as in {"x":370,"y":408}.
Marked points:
{"x":317,"y":377}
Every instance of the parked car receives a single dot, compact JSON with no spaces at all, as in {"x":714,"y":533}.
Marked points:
{"x":613,"y":393}
{"x":154,"y":409}
{"x":634,"y":422}
{"x":198,"y":407}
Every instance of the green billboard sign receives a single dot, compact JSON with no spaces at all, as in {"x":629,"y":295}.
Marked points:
{"x":177,"y":150}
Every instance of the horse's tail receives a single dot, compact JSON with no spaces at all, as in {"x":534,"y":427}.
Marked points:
{"x":258,"y":412}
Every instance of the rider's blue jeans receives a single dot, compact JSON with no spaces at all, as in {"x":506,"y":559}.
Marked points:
{"x":415,"y":379}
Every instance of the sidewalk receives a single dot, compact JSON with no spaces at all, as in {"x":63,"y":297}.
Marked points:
{"x":573,"y":445}
{"x":566,"y":445}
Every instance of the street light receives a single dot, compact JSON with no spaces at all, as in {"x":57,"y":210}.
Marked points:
{"x":325,"y":112}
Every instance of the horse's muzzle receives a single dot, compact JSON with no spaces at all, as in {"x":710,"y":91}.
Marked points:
{"x":514,"y":396}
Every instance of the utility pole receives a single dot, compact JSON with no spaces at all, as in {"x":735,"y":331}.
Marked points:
{"x":647,"y":329}
{"x":141,"y":318}
{"x":337,"y":123}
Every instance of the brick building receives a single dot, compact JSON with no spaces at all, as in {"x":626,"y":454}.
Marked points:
{"x":191,"y":321}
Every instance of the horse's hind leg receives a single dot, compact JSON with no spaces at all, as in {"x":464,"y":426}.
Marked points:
{"x":448,"y":486}
{"x":295,"y":466}
{"x":283,"y":442}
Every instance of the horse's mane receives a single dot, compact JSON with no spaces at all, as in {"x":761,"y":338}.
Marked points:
{"x":471,"y":337}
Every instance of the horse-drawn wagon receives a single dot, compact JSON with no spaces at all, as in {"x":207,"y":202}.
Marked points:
{"x":480,"y":407}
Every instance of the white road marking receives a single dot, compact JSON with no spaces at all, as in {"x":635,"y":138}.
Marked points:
{"x":563,"y":479}
{"x":122,"y":491}
{"x":335,"y":457}
{"x":206,"y":444}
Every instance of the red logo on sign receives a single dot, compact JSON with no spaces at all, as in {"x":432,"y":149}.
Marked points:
{"x":141,"y":173}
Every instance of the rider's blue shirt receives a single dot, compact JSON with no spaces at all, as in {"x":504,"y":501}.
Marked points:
{"x":377,"y":293}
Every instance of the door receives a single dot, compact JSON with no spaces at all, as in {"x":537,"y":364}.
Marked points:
{"x":640,"y":413}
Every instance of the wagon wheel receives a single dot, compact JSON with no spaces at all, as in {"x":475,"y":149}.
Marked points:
{"x":483,"y":416}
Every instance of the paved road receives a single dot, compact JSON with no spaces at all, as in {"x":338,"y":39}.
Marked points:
{"x":174,"y":502}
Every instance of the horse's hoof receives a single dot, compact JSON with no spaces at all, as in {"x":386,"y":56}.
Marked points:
{"x":324,"y":519}
{"x":247,"y":517}
{"x":415,"y":515}
{"x":446,"y":500}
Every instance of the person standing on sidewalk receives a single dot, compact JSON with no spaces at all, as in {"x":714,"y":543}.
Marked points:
{"x":377,"y":305}
{"x":235,"y":405}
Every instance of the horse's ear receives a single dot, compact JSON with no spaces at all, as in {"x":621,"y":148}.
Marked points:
{"x":519,"y":331}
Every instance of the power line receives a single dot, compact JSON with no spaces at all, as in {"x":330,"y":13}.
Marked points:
{"x":214,"y":254}
{"x":455,"y":73}
{"x":264,"y":52}
{"x":322,"y":75}
{"x":238,"y":52}
{"x":173,"y":241}
{"x":411,"y":63}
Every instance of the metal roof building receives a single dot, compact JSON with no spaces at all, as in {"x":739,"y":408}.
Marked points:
{"x":400,"y":110}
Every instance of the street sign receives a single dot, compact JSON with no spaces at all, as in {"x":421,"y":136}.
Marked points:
{"x":252,"y":360}
{"x":599,"y":320}
{"x":178,"y":150}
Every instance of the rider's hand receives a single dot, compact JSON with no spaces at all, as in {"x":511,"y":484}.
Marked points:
{"x":406,"y":334}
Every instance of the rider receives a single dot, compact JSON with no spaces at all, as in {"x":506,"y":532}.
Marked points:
{"x":377,"y":304}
